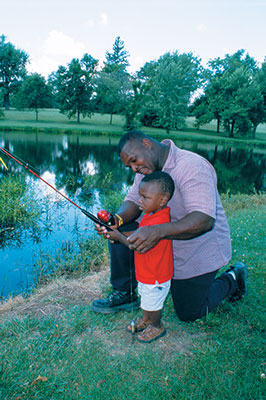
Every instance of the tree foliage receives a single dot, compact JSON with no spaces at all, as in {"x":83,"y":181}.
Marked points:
{"x":113,"y":82}
{"x":12,"y":68}
{"x":168,"y":86}
{"x":233,"y":94}
{"x":74,"y":86}
{"x":118,"y":58}
{"x":34,"y":94}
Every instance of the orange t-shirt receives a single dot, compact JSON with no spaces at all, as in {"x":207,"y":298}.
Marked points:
{"x":157,"y":263}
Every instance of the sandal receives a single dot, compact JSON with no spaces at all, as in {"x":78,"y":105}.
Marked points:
{"x":140,"y":325}
{"x":151,"y":333}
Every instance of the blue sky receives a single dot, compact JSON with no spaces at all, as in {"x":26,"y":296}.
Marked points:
{"x":53,"y":32}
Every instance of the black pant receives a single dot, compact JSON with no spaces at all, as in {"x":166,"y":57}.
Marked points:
{"x":193,"y":298}
{"x":122,"y":263}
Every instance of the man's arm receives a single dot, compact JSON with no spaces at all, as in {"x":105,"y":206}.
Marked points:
{"x":192,"y":225}
{"x":128,"y":211}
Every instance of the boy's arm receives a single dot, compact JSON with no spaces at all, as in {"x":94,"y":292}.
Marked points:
{"x":117,"y":236}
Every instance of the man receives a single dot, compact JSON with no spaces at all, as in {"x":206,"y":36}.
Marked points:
{"x":198,"y":228}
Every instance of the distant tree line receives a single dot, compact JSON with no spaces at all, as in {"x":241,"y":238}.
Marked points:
{"x":231,"y":90}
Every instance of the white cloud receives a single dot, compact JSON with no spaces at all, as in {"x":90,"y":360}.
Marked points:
{"x":104,"y":19}
{"x":91,"y":23}
{"x":201,"y":28}
{"x":136,"y":63}
{"x":59,"y":44}
{"x":57,"y":49}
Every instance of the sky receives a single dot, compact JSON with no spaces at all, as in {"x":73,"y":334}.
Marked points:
{"x":53,"y":32}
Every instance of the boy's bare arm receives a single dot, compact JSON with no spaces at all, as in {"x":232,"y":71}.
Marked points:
{"x":117,"y":236}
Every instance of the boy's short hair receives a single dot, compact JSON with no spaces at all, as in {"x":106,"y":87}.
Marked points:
{"x":165,"y":181}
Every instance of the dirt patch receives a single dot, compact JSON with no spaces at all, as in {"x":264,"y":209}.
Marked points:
{"x":56,"y":297}
{"x":176,"y":341}
{"x":62,"y":294}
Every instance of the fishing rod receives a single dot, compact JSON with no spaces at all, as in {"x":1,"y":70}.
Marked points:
{"x":30,"y":169}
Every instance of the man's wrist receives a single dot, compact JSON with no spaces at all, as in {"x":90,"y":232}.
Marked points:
{"x":119,"y":220}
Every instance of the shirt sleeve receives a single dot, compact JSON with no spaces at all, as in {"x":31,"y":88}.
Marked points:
{"x":133,"y":194}
{"x":198,"y":188}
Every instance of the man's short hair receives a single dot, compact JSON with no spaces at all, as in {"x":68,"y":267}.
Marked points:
{"x":164,"y":180}
{"x":134,"y":135}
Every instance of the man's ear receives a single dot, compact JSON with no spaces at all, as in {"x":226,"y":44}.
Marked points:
{"x":146,"y":143}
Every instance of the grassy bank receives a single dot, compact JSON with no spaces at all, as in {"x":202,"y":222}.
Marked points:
{"x":53,"y":122}
{"x":54,"y":347}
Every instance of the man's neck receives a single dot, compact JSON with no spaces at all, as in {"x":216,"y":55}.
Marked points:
{"x":163,"y":154}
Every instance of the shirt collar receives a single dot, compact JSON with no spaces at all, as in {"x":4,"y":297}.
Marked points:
{"x":172,"y":155}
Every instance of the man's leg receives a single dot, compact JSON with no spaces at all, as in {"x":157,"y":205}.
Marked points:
{"x":195,"y":297}
{"x":122,"y":278}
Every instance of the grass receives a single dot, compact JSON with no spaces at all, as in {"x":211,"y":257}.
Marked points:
{"x":54,"y":347}
{"x":17,"y":205}
{"x":50,"y":120}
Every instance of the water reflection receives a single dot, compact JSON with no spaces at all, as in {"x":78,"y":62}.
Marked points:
{"x":84,"y":168}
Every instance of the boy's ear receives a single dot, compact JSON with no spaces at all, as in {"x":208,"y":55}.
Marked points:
{"x":164,"y":200}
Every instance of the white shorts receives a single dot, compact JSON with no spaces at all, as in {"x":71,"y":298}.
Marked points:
{"x":153,"y":296}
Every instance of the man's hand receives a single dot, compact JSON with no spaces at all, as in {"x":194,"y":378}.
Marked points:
{"x":144,"y":238}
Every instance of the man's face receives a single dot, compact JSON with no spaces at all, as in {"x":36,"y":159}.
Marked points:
{"x":139,"y":157}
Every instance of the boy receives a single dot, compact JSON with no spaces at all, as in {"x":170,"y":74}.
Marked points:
{"x":154,"y":269}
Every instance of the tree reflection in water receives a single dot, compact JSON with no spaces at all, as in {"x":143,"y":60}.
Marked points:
{"x":85,"y":169}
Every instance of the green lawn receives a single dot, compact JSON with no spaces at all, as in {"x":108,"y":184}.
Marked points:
{"x":54,"y":347}
{"x":52,"y":121}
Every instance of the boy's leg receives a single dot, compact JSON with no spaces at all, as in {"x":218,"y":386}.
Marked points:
{"x":152,"y":299}
{"x":155,"y":318}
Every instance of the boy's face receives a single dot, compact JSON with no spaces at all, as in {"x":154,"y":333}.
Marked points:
{"x":151,"y":199}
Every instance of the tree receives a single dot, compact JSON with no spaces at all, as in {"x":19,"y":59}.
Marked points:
{"x":112,"y":90}
{"x":113,"y":82}
{"x":134,"y":104}
{"x":118,"y":59}
{"x":75,"y":86}
{"x":231,"y":95}
{"x":257,"y":112}
{"x":34,"y":94}
{"x":12,"y":68}
{"x":173,"y":79}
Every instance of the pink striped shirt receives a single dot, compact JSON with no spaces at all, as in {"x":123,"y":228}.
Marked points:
{"x":195,"y":190}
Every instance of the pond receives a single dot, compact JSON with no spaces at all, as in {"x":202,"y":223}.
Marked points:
{"x":68,"y":162}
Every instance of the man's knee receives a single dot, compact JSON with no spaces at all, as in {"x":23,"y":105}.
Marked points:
{"x":188,"y":315}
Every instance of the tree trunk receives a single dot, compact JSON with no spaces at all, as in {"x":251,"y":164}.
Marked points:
{"x":6,"y":101}
{"x":78,"y":117}
{"x":232,"y":129}
{"x":36,"y":116}
{"x":218,"y":125}
{"x":111,"y":118}
{"x":254,"y":131}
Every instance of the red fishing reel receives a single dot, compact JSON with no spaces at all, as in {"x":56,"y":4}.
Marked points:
{"x":106,"y":217}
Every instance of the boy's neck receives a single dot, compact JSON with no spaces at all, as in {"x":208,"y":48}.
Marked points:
{"x":158,"y":209}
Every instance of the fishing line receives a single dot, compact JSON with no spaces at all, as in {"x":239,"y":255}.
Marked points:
{"x":30,"y":169}
{"x":8,"y":153}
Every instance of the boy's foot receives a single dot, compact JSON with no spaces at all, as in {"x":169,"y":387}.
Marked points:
{"x":151,"y":333}
{"x":240,"y":272}
{"x":140,"y":325}
{"x":116,"y":301}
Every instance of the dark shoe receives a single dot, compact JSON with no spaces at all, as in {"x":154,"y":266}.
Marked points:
{"x":241,"y":273}
{"x":116,"y":301}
